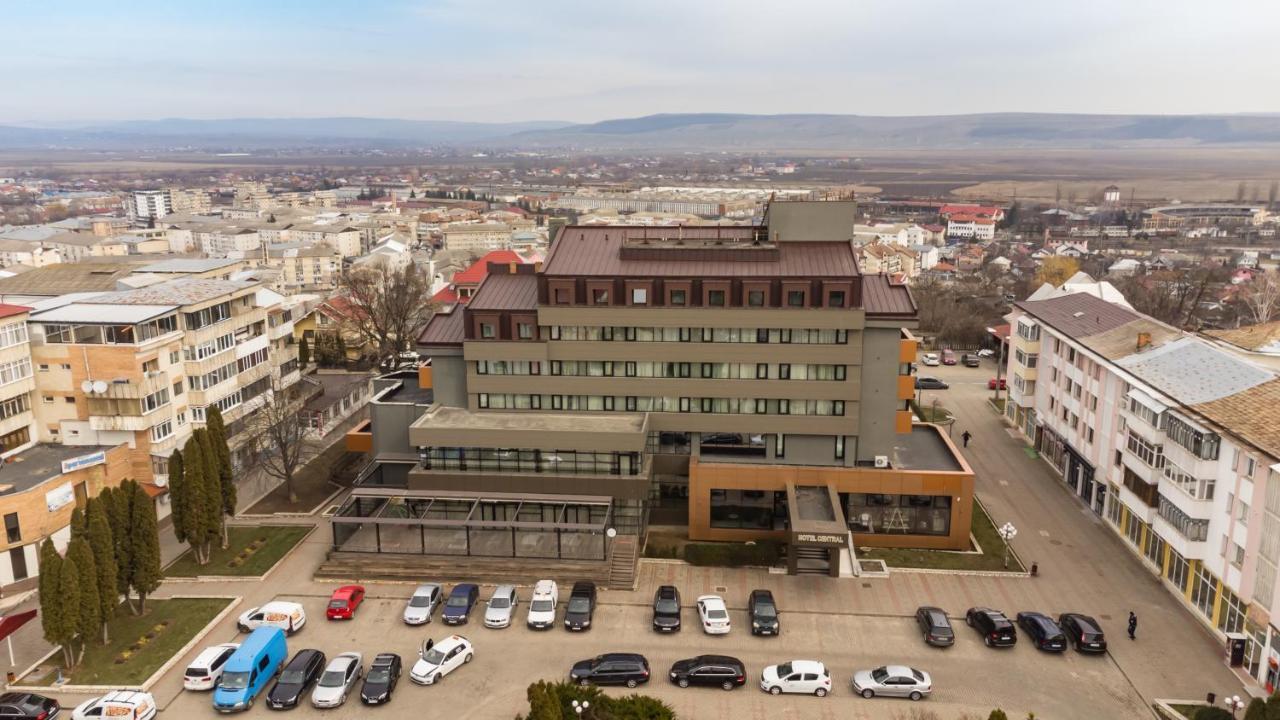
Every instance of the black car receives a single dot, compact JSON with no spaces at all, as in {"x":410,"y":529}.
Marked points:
{"x":582,"y":605}
{"x":628,"y":669}
{"x":297,"y":676}
{"x":936,"y":626}
{"x":930,"y":383}
{"x":1043,"y":631}
{"x":1084,"y":632}
{"x":968,"y":360}
{"x":993,"y":626}
{"x":763,"y":612}
{"x":666,"y":609}
{"x":27,"y":706}
{"x":717,"y":670}
{"x":380,"y":681}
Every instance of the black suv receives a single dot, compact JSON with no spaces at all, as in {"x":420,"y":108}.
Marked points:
{"x":666,"y":609}
{"x":1043,"y":631}
{"x":1084,"y":632}
{"x":721,"y":670}
{"x":582,"y":605}
{"x":381,"y":679}
{"x":763,"y":612}
{"x":993,"y":626}
{"x":936,"y":626}
{"x":295,"y":679}
{"x":628,"y":669}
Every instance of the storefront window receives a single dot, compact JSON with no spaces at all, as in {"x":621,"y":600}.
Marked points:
{"x":748,"y":509}
{"x":1204,"y":594}
{"x":898,"y":514}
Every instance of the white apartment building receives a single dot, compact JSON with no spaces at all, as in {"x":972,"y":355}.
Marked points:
{"x":221,"y":241}
{"x":973,"y":228}
{"x":477,"y":237}
{"x":148,"y":204}
{"x":1174,"y":441}
{"x":345,"y":240}
{"x":17,"y":423}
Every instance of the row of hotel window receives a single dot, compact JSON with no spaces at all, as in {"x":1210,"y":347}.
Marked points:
{"x":879,"y":513}
{"x":679,"y":297}
{"x":797,"y":336}
{"x":609,"y":368}
{"x":632,"y":403}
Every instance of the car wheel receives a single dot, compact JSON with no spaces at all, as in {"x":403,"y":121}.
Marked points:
{"x":683,"y":682}
{"x":726,"y":685}
{"x":631,"y":683}
{"x":775,"y":690}
{"x":468,"y":658}
{"x":584,"y":682}
{"x":343,"y":701}
{"x":968,"y":620}
{"x":868,"y":693}
{"x":915,"y":695}
{"x":987,"y":640}
{"x":820,"y":692}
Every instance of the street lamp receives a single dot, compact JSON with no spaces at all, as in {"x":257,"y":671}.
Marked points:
{"x":580,"y":707}
{"x":1234,"y":704}
{"x":1007,"y":532}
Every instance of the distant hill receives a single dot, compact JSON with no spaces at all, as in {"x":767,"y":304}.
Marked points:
{"x":694,"y":131}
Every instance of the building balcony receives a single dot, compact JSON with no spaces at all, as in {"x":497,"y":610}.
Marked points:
{"x":129,"y":423}
{"x":1190,"y":548}
{"x":1136,"y":504}
{"x":135,"y":389}
{"x":284,"y":329}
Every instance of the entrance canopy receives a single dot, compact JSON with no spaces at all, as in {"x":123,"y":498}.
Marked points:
{"x":816,"y":516}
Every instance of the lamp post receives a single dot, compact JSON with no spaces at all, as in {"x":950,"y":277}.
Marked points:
{"x":580,"y":707}
{"x":1234,"y":704}
{"x":1007,"y":532}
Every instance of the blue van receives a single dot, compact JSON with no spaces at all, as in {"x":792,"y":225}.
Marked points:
{"x":250,"y":669}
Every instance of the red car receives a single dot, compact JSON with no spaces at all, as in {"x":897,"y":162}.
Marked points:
{"x":991,"y":384}
{"x":345,"y":600}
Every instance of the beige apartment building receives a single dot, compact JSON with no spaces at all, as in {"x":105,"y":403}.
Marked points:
{"x":477,"y":237}
{"x":345,"y":240}
{"x":17,"y":426}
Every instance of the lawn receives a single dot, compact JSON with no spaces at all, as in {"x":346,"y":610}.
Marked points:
{"x":252,"y":551}
{"x":991,"y":558}
{"x":1188,"y":711}
{"x":170,"y":624}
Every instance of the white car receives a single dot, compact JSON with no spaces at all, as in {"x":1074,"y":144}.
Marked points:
{"x":337,"y":680}
{"x":714,"y":615}
{"x":542,"y":606}
{"x":438,"y":659}
{"x":423,"y":603}
{"x":893,"y":681}
{"x":808,"y":677}
{"x":203,"y":672}
{"x":117,"y":704}
{"x":986,"y":352}
{"x":930,"y":359}
{"x":498,"y":612}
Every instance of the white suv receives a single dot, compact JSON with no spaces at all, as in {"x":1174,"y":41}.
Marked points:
{"x":542,"y":606}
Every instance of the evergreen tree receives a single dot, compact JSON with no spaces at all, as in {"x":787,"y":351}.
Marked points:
{"x":1257,"y":710}
{"x":144,"y":541}
{"x":104,"y":560}
{"x":115,"y":504}
{"x":194,"y":470}
{"x":68,"y":599}
{"x":89,"y":615}
{"x":77,"y":523}
{"x":218,"y":439}
{"x":997,"y":714}
{"x":1273,"y":707}
{"x":413,"y":194}
{"x":178,"y":495}
{"x":339,"y":349}
{"x":304,"y":352}
{"x":50,"y":603}
{"x":211,"y":503}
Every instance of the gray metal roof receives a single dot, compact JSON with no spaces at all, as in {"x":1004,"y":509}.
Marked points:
{"x":185,"y":265}
{"x":1191,"y":371}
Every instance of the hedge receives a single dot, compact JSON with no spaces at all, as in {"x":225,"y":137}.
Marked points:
{"x":762,"y":552}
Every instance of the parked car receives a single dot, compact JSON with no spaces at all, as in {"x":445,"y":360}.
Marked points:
{"x":247,"y":672}
{"x":581,"y":606}
{"x":988,"y":352}
{"x":501,"y":606}
{"x":457,"y":609}
{"x":714,"y":615}
{"x":542,"y":606}
{"x":288,"y":616}
{"x":930,"y":383}
{"x":28,"y":706}
{"x":808,"y":677}
{"x":930,"y":359}
{"x":422,"y":604}
{"x":893,"y":681}
{"x":763,"y":612}
{"x":717,"y":670}
{"x":344,"y":601}
{"x":993,"y":626}
{"x":337,"y":680}
{"x":1084,"y":632}
{"x":437,"y":659}
{"x":948,"y":357}
{"x":117,"y":704}
{"x":1002,"y":382}
{"x":1043,"y":631}
{"x":627,"y":669}
{"x":971,"y":361}
{"x":204,"y":671}
{"x":380,"y":681}
{"x":936,"y":626}
{"x":296,"y":679}
{"x":666,"y":609}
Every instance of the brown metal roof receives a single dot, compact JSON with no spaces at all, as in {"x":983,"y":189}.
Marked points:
{"x":881,"y":297}
{"x":1079,"y":314}
{"x":596,"y":252}
{"x":444,"y":328}
{"x":506,"y":292}
{"x":1253,"y":415}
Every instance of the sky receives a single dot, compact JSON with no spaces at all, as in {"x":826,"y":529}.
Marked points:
{"x":75,"y":62}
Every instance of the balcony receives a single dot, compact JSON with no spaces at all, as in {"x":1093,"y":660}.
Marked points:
{"x":128,"y":423}
{"x":284,"y":329}
{"x":1186,"y":547}
{"x":134,"y":389}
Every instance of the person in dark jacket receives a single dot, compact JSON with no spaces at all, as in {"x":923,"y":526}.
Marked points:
{"x":965,"y":436}
{"x":1133,"y":625}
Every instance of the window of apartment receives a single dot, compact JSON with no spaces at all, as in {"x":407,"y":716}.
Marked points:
{"x":69,"y":400}
{"x":1152,"y":455}
{"x":152,"y":365}
{"x":48,"y":399}
{"x":779,"y":445}
{"x":678,"y":297}
{"x":784,"y":406}
{"x":835,"y":299}
{"x":630,"y":403}
{"x":14,"y":406}
{"x":14,"y":371}
{"x":155,"y":400}
{"x":639,"y":296}
{"x":1088,"y":435}
{"x":11,"y":529}
{"x":173,"y":357}
{"x":562,"y":296}
{"x":162,"y":431}
{"x":1237,"y":555}
{"x":1071,"y":354}
{"x":795,"y":298}
{"x":15,"y":439}
{"x":755,"y":298}
{"x":599,"y":296}
{"x":177,"y":388}
{"x":482,"y":400}
{"x":13,"y":334}
{"x":715,"y":298}
{"x":44,"y":367}
{"x":839,"y":447}
{"x":684,"y":404}
{"x":524,"y":331}
{"x":784,"y":371}
{"x":1249,"y":466}
{"x":841,"y":371}
{"x":837,"y":407}
{"x":182,"y":418}
{"x":1053,"y":374}
{"x":1243,"y":516}
{"x":762,"y":371}
{"x":486,"y":330}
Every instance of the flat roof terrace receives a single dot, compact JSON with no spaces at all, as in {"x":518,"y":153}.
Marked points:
{"x":443,"y":426}
{"x":927,"y":448}
{"x":31,"y":467}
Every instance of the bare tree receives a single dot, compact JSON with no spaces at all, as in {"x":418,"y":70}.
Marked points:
{"x":1261,"y":297}
{"x":388,"y":307}
{"x":282,"y":443}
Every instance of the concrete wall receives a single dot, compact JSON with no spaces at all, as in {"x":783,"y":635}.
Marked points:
{"x":818,"y":220}
{"x":449,"y":380}
{"x":391,"y":426}
{"x":880,"y":348}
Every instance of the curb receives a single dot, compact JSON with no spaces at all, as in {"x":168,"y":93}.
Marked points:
{"x":31,"y":668}
{"x":1165,"y":711}
{"x":310,"y":513}
{"x":239,"y":578}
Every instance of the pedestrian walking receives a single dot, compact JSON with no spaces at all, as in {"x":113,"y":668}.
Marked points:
{"x":965,"y":437}
{"x":1133,"y":625}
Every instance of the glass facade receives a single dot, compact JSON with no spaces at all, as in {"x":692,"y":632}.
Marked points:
{"x":560,"y":462}
{"x":749,"y":509}
{"x":898,"y":514}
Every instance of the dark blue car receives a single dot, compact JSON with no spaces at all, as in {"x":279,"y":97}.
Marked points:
{"x":457,"y":609}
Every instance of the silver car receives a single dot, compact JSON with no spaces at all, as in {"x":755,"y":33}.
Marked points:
{"x":893,"y":681}
{"x":337,"y":680}
{"x":423,"y":603}
{"x":501,"y":607}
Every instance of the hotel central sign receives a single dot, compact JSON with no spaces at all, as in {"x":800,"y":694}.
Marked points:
{"x":817,"y":538}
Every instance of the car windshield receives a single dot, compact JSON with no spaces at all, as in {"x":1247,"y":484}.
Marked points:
{"x":667,"y":605}
{"x":234,"y":680}
{"x":292,"y":677}
{"x":333,"y":678}
{"x":457,"y":601}
{"x":337,"y":603}
{"x":879,"y":674}
{"x":420,"y":601}
{"x":766,"y":610}
{"x":542,"y":606}
{"x":579,"y":605}
{"x":784,"y":670}
{"x":500,"y":603}
{"x":433,"y":657}
{"x":379,"y":675}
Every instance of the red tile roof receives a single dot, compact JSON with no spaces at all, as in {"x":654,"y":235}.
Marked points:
{"x":988,"y":210}
{"x":480,"y":268}
{"x":446,"y":296}
{"x":7,"y":310}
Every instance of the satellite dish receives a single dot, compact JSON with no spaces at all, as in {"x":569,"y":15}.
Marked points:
{"x":87,"y":386}
{"x":99,"y":386}
{"x":161,"y":480}
{"x":611,"y":532}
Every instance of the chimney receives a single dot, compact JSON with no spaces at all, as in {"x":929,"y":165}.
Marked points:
{"x":777,"y":236}
{"x":1144,"y":339}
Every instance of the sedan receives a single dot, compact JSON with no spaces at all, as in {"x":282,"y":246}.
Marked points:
{"x":28,"y":706}
{"x":714,"y":615}
{"x":457,"y":609}
{"x":666,"y":609}
{"x":1084,"y":632}
{"x":714,"y":670}
{"x":422,"y":604}
{"x":1043,"y":631}
{"x":338,"y":680}
{"x":500,"y":608}
{"x":344,"y":602}
{"x":808,"y":677}
{"x":763,"y":612}
{"x":936,"y":626}
{"x":302,"y":671}
{"x":384,"y":673}
{"x":893,"y":681}
{"x":930,"y":383}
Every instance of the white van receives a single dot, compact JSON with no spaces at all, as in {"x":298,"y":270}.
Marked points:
{"x":542,"y":606}
{"x":122,"y":704}
{"x":288,"y":616}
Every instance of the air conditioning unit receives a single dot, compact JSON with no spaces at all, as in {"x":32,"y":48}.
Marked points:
{"x":882,"y":461}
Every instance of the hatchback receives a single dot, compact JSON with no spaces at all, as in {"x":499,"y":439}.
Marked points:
{"x":808,"y":677}
{"x":581,"y":606}
{"x":437,"y":659}
{"x":1043,"y":631}
{"x":204,"y":671}
{"x":713,"y":670}
{"x":344,"y":602}
{"x":930,"y":383}
{"x":893,"y":681}
{"x":763,"y":612}
{"x":1084,"y":632}
{"x":457,"y":609}
{"x":993,"y":626}
{"x":936,"y":626}
{"x":501,"y":606}
{"x":666,"y":609}
{"x":628,"y":669}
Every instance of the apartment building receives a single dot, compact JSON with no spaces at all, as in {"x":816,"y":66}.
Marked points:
{"x":17,"y":424}
{"x":344,"y":240}
{"x":223,"y":240}
{"x":147,"y":204}
{"x":304,"y":269}
{"x":1172,"y":440}
{"x":758,"y":385}
{"x":477,"y":237}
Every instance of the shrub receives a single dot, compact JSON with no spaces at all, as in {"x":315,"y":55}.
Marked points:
{"x":762,"y":552}
{"x":553,"y":701}
{"x":1210,"y":712}
{"x":997,"y":714}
